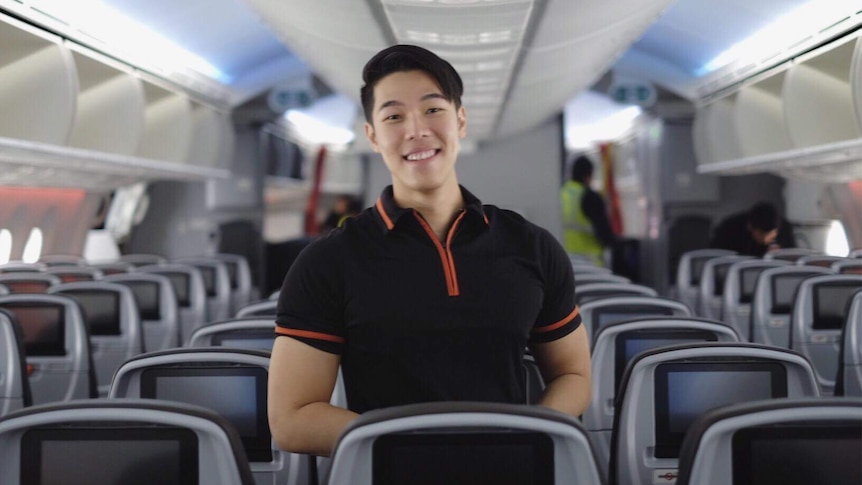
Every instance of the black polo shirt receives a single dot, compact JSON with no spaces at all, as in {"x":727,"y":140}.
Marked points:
{"x":417,"y":320}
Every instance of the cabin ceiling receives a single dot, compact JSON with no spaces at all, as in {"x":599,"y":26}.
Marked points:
{"x":521,"y":60}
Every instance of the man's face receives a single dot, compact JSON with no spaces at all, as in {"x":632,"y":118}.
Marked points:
{"x":762,"y":237}
{"x":416,"y":130}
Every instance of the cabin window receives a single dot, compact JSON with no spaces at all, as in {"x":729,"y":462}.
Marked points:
{"x":836,"y":240}
{"x":33,"y":248}
{"x":5,"y":245}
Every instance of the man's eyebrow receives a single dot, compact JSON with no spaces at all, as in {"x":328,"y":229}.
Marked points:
{"x":428,"y":96}
{"x":389,"y":103}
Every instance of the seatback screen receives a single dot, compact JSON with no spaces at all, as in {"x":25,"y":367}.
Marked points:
{"x":629,"y":344}
{"x":181,"y":283}
{"x":748,"y":282}
{"x":697,"y":268}
{"x":237,"y":393}
{"x":43,"y":326}
{"x":76,"y":456}
{"x":619,"y":313}
{"x":147,"y":298}
{"x":101,"y":309}
{"x":231,"y":273}
{"x":208,"y":275}
{"x":686,"y":390}
{"x":784,"y":286}
{"x":73,"y":277}
{"x":719,"y":275}
{"x":798,"y":455}
{"x":245,"y":339}
{"x":831,"y":301}
{"x":498,"y":458}
{"x":26,"y":286}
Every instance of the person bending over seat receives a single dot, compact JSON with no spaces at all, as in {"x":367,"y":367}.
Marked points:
{"x":754,"y":232}
{"x":429,"y":295}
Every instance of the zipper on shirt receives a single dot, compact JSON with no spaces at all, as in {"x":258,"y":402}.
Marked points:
{"x":445,"y":252}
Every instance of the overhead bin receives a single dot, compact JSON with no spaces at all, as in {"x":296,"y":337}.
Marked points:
{"x":72,"y":117}
{"x":799,"y":119}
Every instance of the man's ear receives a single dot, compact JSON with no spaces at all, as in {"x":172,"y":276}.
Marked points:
{"x":462,"y":122}
{"x":372,"y":137}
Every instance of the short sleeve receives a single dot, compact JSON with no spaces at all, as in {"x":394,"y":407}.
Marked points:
{"x":559,"y":315}
{"x":310,"y":305}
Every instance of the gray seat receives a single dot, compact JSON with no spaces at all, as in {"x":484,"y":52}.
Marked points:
{"x":258,"y":309}
{"x":847,"y":266}
{"x":790,"y":254}
{"x":190,"y":294}
{"x":57,"y":346}
{"x":594,"y":291}
{"x":712,"y":285}
{"x":27,"y":282}
{"x":233,"y":383}
{"x":114,"y":267}
{"x":663,"y":390}
{"x":113,"y":321}
{"x":788,"y":441}
{"x":14,"y":384}
{"x":69,"y":274}
{"x":601,"y":313}
{"x":216,"y":285}
{"x":19,"y":267}
{"x":773,"y":303}
{"x":121,"y":441}
{"x":582,"y":268}
{"x":856,"y":253}
{"x":239,"y":273}
{"x":817,"y":321}
{"x":534,"y":383}
{"x":455,"y":442}
{"x":53,"y":260}
{"x":689,"y":272}
{"x":246,"y":333}
{"x":142,"y":259}
{"x":589,"y":278}
{"x":275,"y":295}
{"x":4,"y":290}
{"x":739,"y":287}
{"x":157,"y":307}
{"x":821,"y":260}
{"x":615,"y":345}
{"x":851,"y":348}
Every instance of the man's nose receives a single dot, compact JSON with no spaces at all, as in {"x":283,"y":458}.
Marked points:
{"x":417,"y":128}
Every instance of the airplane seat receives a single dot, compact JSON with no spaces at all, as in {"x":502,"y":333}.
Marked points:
{"x":739,"y":287}
{"x":244,"y":333}
{"x":68,"y":274}
{"x":239,"y":273}
{"x":157,"y":307}
{"x":772,"y":303}
{"x":817,"y":321}
{"x":275,"y":295}
{"x":263,"y":308}
{"x":856,"y":253}
{"x":689,"y":272}
{"x":786,"y":441}
{"x":614,"y":347}
{"x":231,"y":382}
{"x":216,"y":285}
{"x":112,"y":319}
{"x":790,"y":254}
{"x":664,"y":389}
{"x":143,"y":259}
{"x":686,"y":233}
{"x":534,"y":383}
{"x":821,"y":260}
{"x":593,"y":291}
{"x":847,"y":266}
{"x":19,"y":267}
{"x":600,"y":313}
{"x":14,"y":385}
{"x":589,"y":278}
{"x":190,"y":295}
{"x":56,"y":346}
{"x":464,"y":442}
{"x":848,"y":380}
{"x":3,"y":290}
{"x":114,"y":267}
{"x":53,"y":260}
{"x":27,"y":282}
{"x":712,"y":285}
{"x":587,"y":268}
{"x":121,"y":441}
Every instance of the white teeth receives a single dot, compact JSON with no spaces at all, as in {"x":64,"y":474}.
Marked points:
{"x":421,"y":155}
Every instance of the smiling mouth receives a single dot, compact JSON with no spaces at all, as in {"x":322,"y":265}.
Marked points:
{"x":419,"y":156}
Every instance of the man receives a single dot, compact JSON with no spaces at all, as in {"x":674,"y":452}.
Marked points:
{"x":586,"y":228}
{"x":428,"y":295}
{"x":754,"y":232}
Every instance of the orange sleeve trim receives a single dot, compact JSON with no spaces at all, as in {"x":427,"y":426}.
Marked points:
{"x":383,"y":214}
{"x":290,"y":332}
{"x":554,"y":326}
{"x":485,"y":216}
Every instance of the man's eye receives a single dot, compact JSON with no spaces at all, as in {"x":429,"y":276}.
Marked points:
{"x":392,"y":117}
{"x":434,"y":110}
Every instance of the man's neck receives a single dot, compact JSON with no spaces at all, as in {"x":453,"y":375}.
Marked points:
{"x":438,"y":207}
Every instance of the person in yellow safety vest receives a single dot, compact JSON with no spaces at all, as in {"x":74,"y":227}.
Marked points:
{"x":586,"y":228}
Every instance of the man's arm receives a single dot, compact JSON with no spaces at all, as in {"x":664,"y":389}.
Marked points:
{"x":565,"y":366}
{"x":301,"y":380}
{"x":594,"y":208}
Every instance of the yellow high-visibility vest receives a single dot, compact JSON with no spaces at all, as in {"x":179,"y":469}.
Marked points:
{"x":578,"y":235}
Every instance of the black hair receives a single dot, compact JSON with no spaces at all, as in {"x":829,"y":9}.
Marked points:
{"x":582,"y":168}
{"x":404,"y":58}
{"x":763,"y":216}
